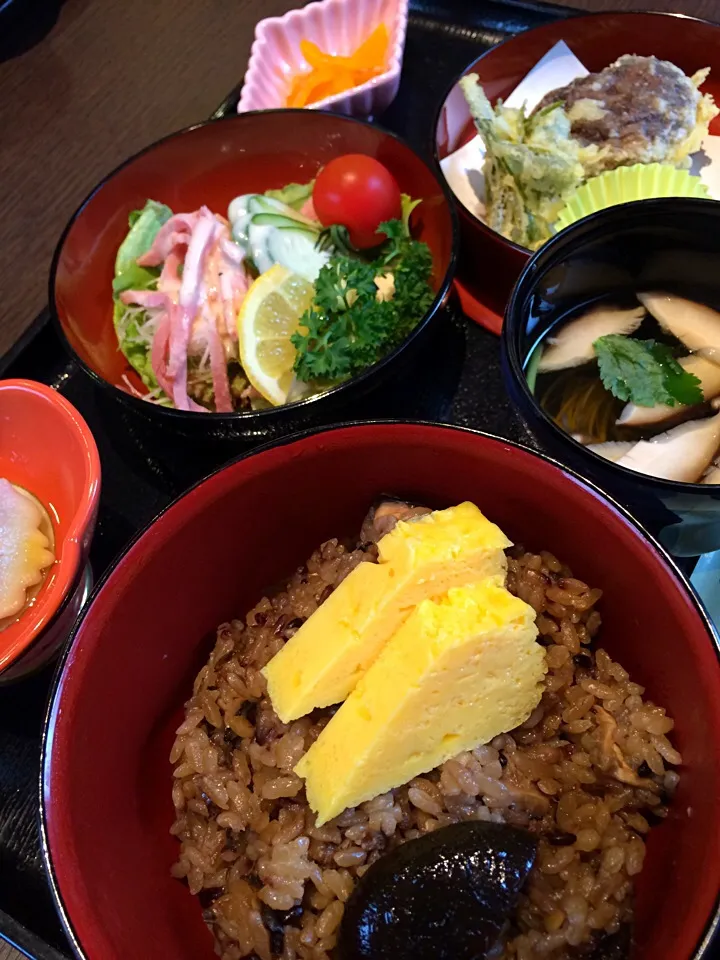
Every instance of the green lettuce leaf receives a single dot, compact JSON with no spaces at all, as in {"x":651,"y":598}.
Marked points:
{"x":144,"y":225}
{"x":135,"y":349}
{"x":295,"y":195}
{"x":127,"y":320}
{"x":134,"y":277}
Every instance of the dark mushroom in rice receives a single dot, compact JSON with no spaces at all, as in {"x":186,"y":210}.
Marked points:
{"x":445,"y":896}
{"x":385,"y":515}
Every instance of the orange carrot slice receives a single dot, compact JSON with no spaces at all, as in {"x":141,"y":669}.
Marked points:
{"x":332,"y":74}
{"x":314,"y":55}
{"x":373,"y":52}
{"x":302,"y":91}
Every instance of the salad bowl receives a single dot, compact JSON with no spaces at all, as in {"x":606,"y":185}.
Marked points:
{"x":204,"y":168}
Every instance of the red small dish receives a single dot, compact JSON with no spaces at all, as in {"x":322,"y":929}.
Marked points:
{"x":476,"y":309}
{"x":489,"y":264}
{"x":107,"y":779}
{"x":47,"y":448}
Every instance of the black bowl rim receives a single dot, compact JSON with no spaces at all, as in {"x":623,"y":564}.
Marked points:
{"x":497,"y":48}
{"x":594,"y":224}
{"x":712,"y":926}
{"x":257,"y":418}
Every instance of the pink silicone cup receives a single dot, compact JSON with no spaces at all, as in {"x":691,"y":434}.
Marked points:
{"x":337,"y":27}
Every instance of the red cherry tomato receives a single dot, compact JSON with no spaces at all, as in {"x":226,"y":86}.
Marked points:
{"x":359,"y":193}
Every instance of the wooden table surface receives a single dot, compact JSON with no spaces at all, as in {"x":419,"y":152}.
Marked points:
{"x":109,"y":79}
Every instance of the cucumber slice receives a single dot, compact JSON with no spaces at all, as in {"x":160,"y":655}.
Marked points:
{"x":296,"y":250}
{"x":271,"y":232}
{"x":241,"y":230}
{"x":240,"y":217}
{"x":258,"y":247}
{"x":280,"y":220}
{"x":239,"y":207}
{"x":259,"y":204}
{"x":254,"y":203}
{"x":262,"y":204}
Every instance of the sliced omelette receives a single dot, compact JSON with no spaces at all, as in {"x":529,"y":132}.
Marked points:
{"x":418,"y":559}
{"x":460,"y":670}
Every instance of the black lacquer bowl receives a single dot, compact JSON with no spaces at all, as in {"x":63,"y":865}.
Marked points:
{"x":672,"y":245}
{"x":211,"y":164}
{"x":23,"y":23}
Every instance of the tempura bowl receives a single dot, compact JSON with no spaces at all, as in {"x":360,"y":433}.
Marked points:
{"x":669,"y":245}
{"x":106,"y":776}
{"x":490,"y":264}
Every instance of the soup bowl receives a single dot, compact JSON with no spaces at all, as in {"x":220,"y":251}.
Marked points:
{"x":489,"y":263}
{"x":106,"y":778}
{"x":668,"y":245}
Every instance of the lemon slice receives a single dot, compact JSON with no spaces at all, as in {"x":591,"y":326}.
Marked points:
{"x":269,"y":316}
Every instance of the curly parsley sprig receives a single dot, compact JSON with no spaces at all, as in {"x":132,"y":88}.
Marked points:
{"x":348,"y":328}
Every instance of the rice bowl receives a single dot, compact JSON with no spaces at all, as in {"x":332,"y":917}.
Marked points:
{"x":149,"y":630}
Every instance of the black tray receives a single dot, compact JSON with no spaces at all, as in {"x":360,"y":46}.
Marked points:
{"x":464,"y":388}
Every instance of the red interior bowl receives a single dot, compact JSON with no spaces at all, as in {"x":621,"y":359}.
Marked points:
{"x":47,"y":448}
{"x":106,"y":777}
{"x":490,"y":264}
{"x":211,"y":164}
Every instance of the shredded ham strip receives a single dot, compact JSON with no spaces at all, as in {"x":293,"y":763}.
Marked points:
{"x":196,"y":310}
{"x":158,"y":353}
{"x":149,"y":299}
{"x":176,"y":231}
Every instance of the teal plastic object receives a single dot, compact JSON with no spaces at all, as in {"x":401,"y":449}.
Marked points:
{"x":706,"y":580}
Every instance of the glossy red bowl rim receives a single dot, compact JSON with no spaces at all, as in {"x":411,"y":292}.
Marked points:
{"x":257,"y":417}
{"x":50,"y":602}
{"x":463,"y":210}
{"x":710,"y":935}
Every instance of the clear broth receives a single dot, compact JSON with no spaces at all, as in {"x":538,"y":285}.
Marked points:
{"x":576,"y":400}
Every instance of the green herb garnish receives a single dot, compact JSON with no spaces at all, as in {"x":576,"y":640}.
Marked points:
{"x":644,"y":372}
{"x":347,"y":329}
